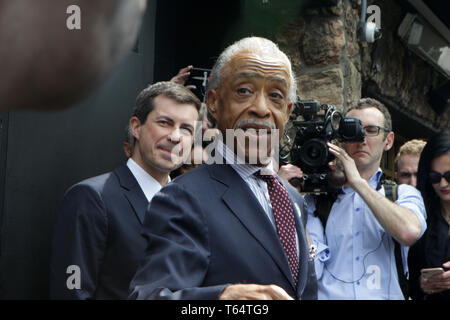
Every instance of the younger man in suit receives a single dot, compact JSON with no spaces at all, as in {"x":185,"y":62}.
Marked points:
{"x":97,"y":241}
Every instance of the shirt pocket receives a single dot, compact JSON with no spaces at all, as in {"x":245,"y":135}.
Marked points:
{"x":372,"y":232}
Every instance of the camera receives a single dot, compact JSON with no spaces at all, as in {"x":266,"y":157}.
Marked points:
{"x":310,"y":151}
{"x":368,"y":32}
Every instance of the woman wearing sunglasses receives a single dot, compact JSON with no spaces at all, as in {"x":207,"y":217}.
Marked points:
{"x":429,"y":258}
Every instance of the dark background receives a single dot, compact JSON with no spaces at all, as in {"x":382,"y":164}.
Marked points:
{"x":43,"y":153}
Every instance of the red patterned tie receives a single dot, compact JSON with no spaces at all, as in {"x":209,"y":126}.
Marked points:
{"x":284,"y":220}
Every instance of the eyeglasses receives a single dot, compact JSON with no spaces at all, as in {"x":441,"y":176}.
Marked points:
{"x":435,"y":177}
{"x":372,"y":131}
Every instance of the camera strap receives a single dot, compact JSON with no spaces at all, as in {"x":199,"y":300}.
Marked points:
{"x":391,"y":192}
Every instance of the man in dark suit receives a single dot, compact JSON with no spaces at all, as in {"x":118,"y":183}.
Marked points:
{"x":97,"y":239}
{"x":233,"y":230}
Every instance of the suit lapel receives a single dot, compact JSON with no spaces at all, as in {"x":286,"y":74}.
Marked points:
{"x":243,"y":204}
{"x":132,"y":191}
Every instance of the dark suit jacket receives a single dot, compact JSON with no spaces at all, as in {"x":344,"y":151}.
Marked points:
{"x":206,"y":230}
{"x":99,"y":230}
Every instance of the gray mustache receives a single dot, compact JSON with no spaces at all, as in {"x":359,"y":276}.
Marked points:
{"x":245,"y":122}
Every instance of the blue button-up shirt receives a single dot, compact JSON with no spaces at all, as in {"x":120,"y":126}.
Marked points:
{"x":355,"y":255}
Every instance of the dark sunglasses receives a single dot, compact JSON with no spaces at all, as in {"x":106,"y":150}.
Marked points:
{"x":435,"y":177}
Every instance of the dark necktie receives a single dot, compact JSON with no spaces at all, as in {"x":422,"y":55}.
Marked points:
{"x":284,"y":220}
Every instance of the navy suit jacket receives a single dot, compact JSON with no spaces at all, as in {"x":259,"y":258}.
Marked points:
{"x":206,"y":230}
{"x":99,"y":230}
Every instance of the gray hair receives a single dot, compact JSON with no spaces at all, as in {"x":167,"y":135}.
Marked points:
{"x":251,"y":44}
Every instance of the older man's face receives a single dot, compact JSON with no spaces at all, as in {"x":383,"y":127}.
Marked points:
{"x":253,"y":96}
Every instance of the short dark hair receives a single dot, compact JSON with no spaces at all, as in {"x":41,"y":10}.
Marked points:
{"x":437,"y":145}
{"x":145,"y":100}
{"x":365,"y":103}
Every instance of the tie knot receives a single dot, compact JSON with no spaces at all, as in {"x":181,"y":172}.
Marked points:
{"x":265,"y":177}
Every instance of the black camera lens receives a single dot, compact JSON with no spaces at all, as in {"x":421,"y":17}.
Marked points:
{"x":314,"y":153}
{"x":307,"y":108}
{"x":310,"y":150}
{"x":350,"y":130}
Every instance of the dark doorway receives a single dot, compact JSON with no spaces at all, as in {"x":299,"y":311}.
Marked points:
{"x":192,"y":33}
{"x":44,"y":153}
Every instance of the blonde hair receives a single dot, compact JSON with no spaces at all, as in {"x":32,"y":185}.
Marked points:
{"x":412,"y":147}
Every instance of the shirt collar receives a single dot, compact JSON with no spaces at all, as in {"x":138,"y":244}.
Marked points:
{"x":149,"y":185}
{"x":244,"y":170}
{"x":373,"y":181}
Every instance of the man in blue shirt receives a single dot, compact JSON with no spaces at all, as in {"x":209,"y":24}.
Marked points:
{"x":355,"y":249}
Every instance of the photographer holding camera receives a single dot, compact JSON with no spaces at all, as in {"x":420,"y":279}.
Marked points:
{"x":355,"y":239}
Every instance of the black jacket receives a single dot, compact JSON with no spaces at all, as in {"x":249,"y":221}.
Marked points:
{"x":98,"y":230}
{"x":206,"y":229}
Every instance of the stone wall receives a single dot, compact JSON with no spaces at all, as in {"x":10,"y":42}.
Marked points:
{"x":400,"y":75}
{"x":323,"y":48}
{"x":333,"y":67}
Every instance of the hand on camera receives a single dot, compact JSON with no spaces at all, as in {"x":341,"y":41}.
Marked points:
{"x":291,"y":174}
{"x":349,"y":167}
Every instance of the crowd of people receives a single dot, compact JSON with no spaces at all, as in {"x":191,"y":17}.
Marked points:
{"x":162,"y":227}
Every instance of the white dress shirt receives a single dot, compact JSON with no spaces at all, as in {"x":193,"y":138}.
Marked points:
{"x":147,"y":183}
{"x":258,"y":186}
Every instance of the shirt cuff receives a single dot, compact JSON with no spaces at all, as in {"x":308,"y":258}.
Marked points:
{"x":322,"y":252}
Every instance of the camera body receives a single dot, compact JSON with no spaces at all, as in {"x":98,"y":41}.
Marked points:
{"x":310,"y":150}
{"x":368,"y":32}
